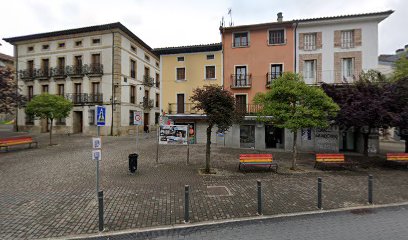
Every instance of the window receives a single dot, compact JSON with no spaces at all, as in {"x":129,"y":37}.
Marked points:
{"x":209,"y":72}
{"x":180,"y":59}
{"x":210,"y":57}
{"x":78,"y":43}
{"x":147,"y":58}
{"x":241,"y":77}
{"x":61,"y":45}
{"x":277,"y":36}
{"x":45,"y":66}
{"x":61,"y":121}
{"x":91,"y":117}
{"x":240,"y":39}
{"x":78,"y":88}
{"x":44,"y":88}
{"x":30,"y":93}
{"x":131,"y":117}
{"x":45,"y":47}
{"x":157,"y":99}
{"x":180,"y":103}
{"x":29,"y":119}
{"x":30,"y":49}
{"x":309,"y":41}
{"x":347,"y":39}
{"x":132,"y":68}
{"x":96,"y":88}
{"x":96,"y":41}
{"x":157,"y":80}
{"x":309,"y":71}
{"x":133,"y":48}
{"x":96,"y":59}
{"x":132,"y":94}
{"x":78,"y":61}
{"x":347,"y":69}
{"x":276,"y":71}
{"x":181,"y":74}
{"x":156,"y":118}
{"x":157,"y":64}
{"x":61,"y":89}
{"x":61,"y":63}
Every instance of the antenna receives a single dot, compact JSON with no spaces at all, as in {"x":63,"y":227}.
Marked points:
{"x":230,"y":13}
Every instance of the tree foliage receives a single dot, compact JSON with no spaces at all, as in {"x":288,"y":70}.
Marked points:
{"x":219,"y":107}
{"x":9,"y":97}
{"x":47,"y":106}
{"x":401,"y":68}
{"x":399,"y":91}
{"x":295,"y":105}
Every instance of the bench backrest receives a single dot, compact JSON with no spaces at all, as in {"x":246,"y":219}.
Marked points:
{"x":255,"y":158}
{"x":397,"y":156}
{"x":15,"y":140}
{"x":329,"y":157}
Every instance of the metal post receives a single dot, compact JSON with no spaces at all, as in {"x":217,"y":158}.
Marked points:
{"x":186,"y":203}
{"x":319,"y":193}
{"x":370,"y":189}
{"x":100,"y":203}
{"x":137,"y":137}
{"x":97,"y":168}
{"x":157,"y":145}
{"x":188,"y":144}
{"x":258,"y":183}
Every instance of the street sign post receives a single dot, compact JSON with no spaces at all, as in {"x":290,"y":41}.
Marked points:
{"x":137,"y":121}
{"x":100,"y":120}
{"x":100,"y":116}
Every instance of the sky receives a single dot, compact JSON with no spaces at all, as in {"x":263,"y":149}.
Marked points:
{"x":166,"y":23}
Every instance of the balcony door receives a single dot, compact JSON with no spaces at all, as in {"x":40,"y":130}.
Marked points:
{"x":77,"y":93}
{"x":241,"y":76}
{"x":180,"y":103}
{"x":241,"y":102}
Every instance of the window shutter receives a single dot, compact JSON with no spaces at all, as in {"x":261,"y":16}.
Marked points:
{"x":319,"y":43}
{"x":357,"y":37}
{"x":301,"y":39}
{"x":337,"y":38}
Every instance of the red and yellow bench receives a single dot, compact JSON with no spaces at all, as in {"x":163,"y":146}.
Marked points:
{"x":400,"y":158}
{"x":258,"y":160}
{"x":7,"y":142}
{"x":324,"y":159}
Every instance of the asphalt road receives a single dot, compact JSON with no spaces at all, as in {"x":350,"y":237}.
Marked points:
{"x":374,"y":224}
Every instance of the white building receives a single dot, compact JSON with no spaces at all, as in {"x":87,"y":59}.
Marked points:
{"x":98,"y":65}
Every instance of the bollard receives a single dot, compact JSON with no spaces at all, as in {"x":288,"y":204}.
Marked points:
{"x":100,"y":206}
{"x":258,"y":183}
{"x":319,"y":193}
{"x":370,"y":189}
{"x":186,"y":203}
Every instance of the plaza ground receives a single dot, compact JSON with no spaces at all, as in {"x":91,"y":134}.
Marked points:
{"x":50,"y":191}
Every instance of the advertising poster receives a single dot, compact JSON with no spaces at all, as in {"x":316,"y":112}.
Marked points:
{"x":173,"y":134}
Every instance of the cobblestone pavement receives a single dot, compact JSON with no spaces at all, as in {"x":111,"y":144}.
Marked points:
{"x":50,"y":191}
{"x":367,"y":224}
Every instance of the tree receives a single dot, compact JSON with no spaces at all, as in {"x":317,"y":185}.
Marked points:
{"x":295,"y":105}
{"x":399,"y":106}
{"x":364,"y":105}
{"x":219,"y":107}
{"x":401,"y":68}
{"x":9,"y":97}
{"x":47,"y":106}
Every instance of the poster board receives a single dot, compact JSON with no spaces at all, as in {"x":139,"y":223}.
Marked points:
{"x":173,"y":134}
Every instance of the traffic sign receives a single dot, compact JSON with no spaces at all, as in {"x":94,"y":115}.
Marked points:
{"x":137,"y":119}
{"x":100,"y":115}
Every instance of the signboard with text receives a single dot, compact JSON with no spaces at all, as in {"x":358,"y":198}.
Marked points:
{"x":173,"y":134}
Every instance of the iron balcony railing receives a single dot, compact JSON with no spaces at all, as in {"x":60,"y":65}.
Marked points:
{"x":241,"y":81}
{"x":95,"y":69}
{"x":35,"y":73}
{"x":186,"y":108}
{"x":61,"y":72}
{"x":58,"y":72}
{"x":84,"y":98}
{"x":148,"y":81}
{"x":148,"y":103}
{"x":27,"y":74}
{"x":270,"y":76}
{"x":248,"y":109}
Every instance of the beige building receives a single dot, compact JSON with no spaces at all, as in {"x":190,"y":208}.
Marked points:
{"x":99,"y":65}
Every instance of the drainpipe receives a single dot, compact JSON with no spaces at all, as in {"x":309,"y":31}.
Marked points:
{"x":16,"y":67}
{"x":296,"y":46}
{"x":113,"y":85}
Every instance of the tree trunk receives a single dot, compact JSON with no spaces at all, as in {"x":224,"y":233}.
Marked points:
{"x":365,"y":148}
{"x":208,"y":149}
{"x":51,"y":120}
{"x":294,"y":150}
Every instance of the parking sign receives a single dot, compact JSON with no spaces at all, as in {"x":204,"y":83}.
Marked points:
{"x":137,"y":119}
{"x":100,"y":115}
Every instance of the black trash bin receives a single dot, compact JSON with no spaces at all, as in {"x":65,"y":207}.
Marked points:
{"x":133,"y":162}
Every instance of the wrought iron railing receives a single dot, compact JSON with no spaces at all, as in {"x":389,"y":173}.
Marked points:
{"x":241,"y":81}
{"x":58,"y":72}
{"x":148,"y":103}
{"x":95,"y":69}
{"x":270,"y":76}
{"x":248,"y":109}
{"x":84,"y":98}
{"x":186,"y":108}
{"x":148,"y":81}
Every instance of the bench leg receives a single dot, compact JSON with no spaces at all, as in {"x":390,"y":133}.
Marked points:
{"x":239,"y":167}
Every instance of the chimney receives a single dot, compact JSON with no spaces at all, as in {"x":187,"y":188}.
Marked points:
{"x":280,"y":17}
{"x":399,"y":51}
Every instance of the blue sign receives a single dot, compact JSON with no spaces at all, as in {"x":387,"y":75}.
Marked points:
{"x":100,"y":115}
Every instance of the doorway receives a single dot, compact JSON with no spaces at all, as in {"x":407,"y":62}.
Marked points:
{"x":247,"y":136}
{"x":180,"y":103}
{"x":274,"y":137}
{"x":78,"y":122}
{"x":241,"y":103}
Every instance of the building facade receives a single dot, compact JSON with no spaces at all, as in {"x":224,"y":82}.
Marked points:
{"x":184,"y":69}
{"x":99,"y":65}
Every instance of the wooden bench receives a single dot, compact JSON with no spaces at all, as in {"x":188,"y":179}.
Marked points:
{"x":398,"y":158}
{"x":7,"y":142}
{"x":325,"y":159}
{"x":257,"y":160}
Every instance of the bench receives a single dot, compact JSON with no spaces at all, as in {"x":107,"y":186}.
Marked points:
{"x":325,"y":159}
{"x":398,"y":158}
{"x":263,"y":160}
{"x":7,"y":142}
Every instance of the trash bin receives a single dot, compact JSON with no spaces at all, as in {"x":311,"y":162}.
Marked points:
{"x":133,"y":162}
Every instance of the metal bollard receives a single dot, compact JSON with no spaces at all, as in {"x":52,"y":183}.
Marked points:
{"x":100,"y":206}
{"x":370,"y":189}
{"x":319,"y":193}
{"x":258,"y":183}
{"x":186,"y":203}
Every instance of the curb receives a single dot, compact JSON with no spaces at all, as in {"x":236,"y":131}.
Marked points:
{"x":209,"y":223}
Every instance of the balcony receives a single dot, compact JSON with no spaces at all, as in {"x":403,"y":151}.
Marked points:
{"x":27,"y":74}
{"x":241,"y":81}
{"x":148,"y":81}
{"x":148,"y":103}
{"x":94,"y":69}
{"x":85,"y":98}
{"x":248,"y":109}
{"x":186,"y":108}
{"x":270,"y":76}
{"x":43,"y":74}
{"x":75,"y":70}
{"x":58,"y":72}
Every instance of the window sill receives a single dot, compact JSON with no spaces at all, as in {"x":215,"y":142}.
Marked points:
{"x":210,"y":79}
{"x":276,"y":44}
{"x":181,"y":80}
{"x":246,"y":46}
